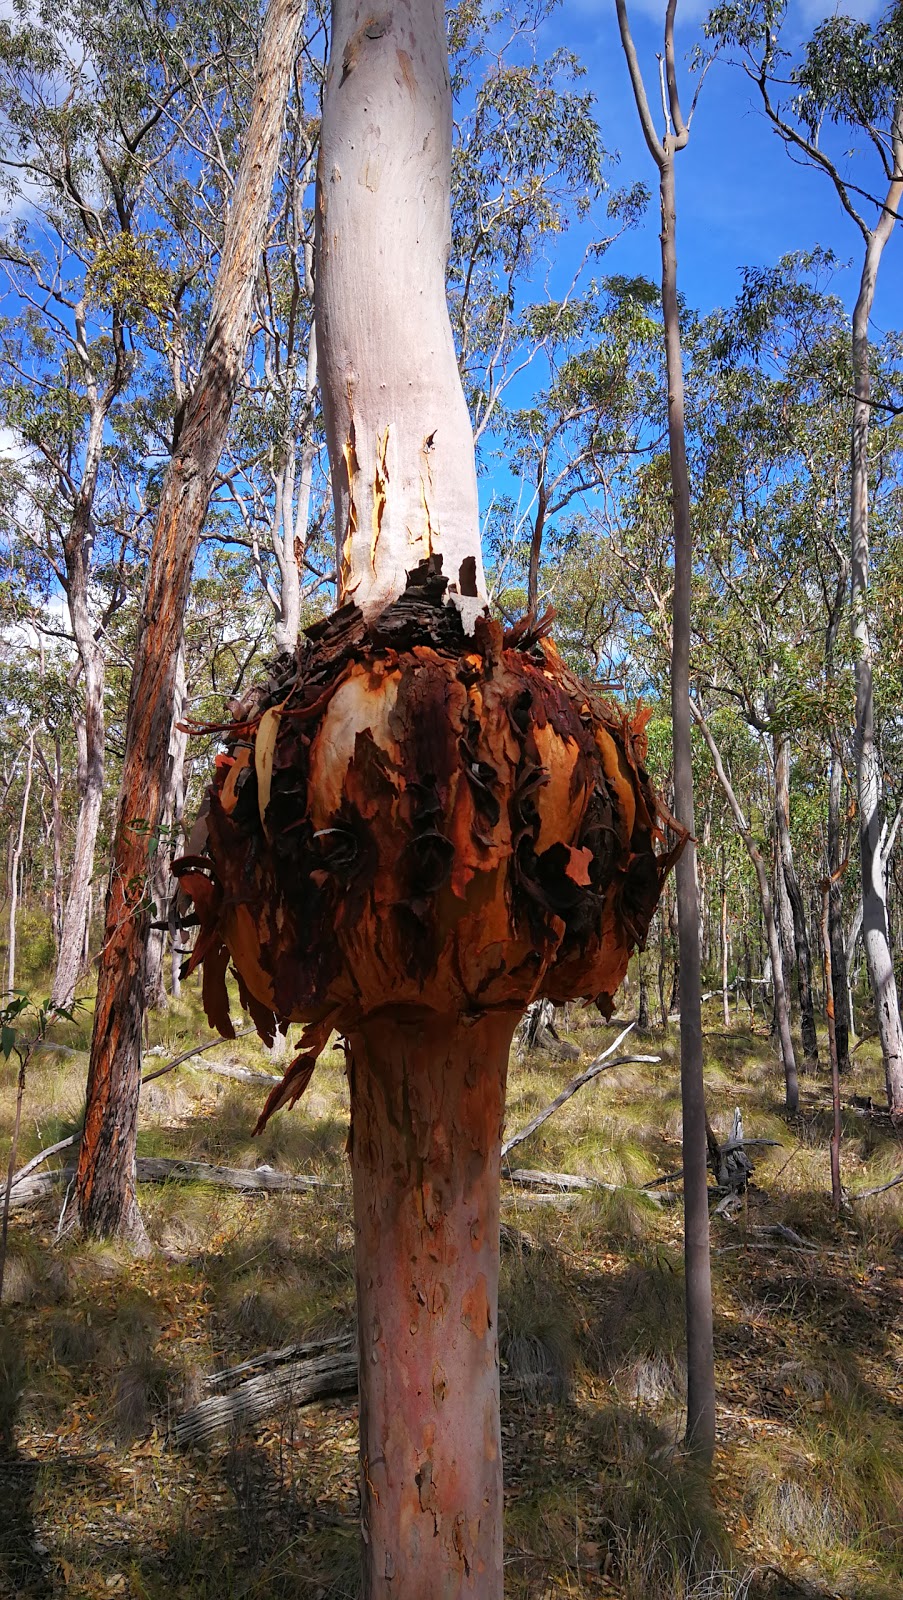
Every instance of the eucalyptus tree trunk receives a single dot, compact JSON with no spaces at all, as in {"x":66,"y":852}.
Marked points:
{"x":404,"y":483}
{"x":642,"y":1014}
{"x":401,"y":443}
{"x":17,"y":845}
{"x":700,"y":1436}
{"x":163,"y":887}
{"x":837,"y":1129}
{"x":839,"y":970}
{"x":788,"y":868}
{"x":291,"y":524}
{"x":91,"y":759}
{"x":53,"y":774}
{"x":536,"y":537}
{"x":783,"y":915}
{"x":105,"y":1183}
{"x":428,"y":1107}
{"x":875,"y":926}
{"x":773,"y":940}
{"x":726,"y":1016}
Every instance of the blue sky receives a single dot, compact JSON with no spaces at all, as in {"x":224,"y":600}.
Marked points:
{"x":741,"y":200}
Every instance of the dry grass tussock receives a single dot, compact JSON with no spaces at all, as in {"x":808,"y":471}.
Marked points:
{"x":98,"y":1353}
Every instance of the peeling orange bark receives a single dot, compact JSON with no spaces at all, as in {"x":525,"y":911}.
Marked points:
{"x":458,"y":825}
{"x":411,"y":835}
{"x":429,"y":1096}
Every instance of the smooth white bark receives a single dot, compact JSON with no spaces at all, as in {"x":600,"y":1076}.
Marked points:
{"x":875,"y":922}
{"x":16,"y":857}
{"x":398,"y":431}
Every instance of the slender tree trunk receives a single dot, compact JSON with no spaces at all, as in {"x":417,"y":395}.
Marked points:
{"x":662,"y":971}
{"x":700,"y":1436}
{"x":53,"y":836}
{"x":794,"y":895}
{"x":836,"y":1189}
{"x":290,"y":536}
{"x":875,"y":928}
{"x":427,"y":1107}
{"x":674,"y":1002}
{"x":77,"y":552}
{"x":700,"y":1346}
{"x":783,"y":917}
{"x":839,"y":983}
{"x":163,"y":886}
{"x":724,"y":945}
{"x":16,"y":857}
{"x":178,"y":845}
{"x":781,"y":1009}
{"x":642,"y":1016}
{"x":536,"y":538}
{"x":105,"y":1182}
{"x":69,"y":966}
{"x":56,"y":803}
{"x":747,"y":976}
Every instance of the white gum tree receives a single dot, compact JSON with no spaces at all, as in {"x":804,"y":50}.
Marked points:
{"x":420,"y":825}
{"x":400,"y":437}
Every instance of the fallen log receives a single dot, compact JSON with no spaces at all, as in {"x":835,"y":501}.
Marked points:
{"x":241,"y":1074}
{"x":323,"y":1375}
{"x":535,"y":1178}
{"x":155,"y":1169}
{"x":226,"y":1070}
{"x":530,"y":1178}
{"x":226,"y":1378}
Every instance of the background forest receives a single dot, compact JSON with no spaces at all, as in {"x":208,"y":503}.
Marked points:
{"x":121,"y":126}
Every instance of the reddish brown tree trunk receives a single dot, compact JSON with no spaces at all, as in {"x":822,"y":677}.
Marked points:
{"x":427,"y":1106}
{"x":105,"y":1182}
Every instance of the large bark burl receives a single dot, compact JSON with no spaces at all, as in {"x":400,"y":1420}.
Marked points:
{"x":409,"y":818}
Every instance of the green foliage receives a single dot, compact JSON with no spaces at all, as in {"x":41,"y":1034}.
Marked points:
{"x":125,"y":276}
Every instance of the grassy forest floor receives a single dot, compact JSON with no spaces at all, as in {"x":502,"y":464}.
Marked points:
{"x":99,"y":1353}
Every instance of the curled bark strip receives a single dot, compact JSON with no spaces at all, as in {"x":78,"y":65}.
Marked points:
{"x":298,"y":1075}
{"x":452,"y":823}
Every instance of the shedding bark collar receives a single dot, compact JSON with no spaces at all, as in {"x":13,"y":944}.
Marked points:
{"x":408,"y":819}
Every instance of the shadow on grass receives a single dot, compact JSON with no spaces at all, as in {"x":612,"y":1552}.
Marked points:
{"x":25,"y":1570}
{"x":270,"y":1538}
